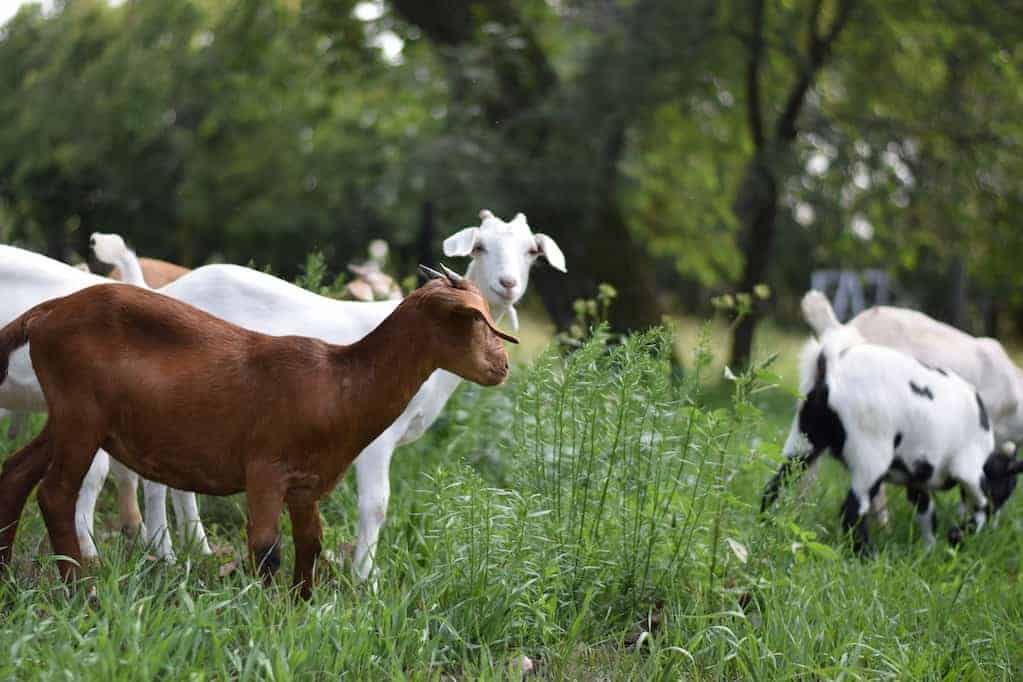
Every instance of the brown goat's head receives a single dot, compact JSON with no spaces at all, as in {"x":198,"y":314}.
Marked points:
{"x":468,"y":341}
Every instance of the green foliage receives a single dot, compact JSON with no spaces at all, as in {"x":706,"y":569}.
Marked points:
{"x":590,"y":314}
{"x":593,"y":499}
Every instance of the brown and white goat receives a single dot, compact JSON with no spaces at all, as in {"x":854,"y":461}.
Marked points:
{"x":200,"y":404}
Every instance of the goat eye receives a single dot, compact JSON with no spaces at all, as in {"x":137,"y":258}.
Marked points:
{"x":478,"y":249}
{"x":534,"y":252}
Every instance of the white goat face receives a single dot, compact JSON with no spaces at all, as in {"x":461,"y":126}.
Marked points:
{"x":502,"y":255}
{"x":107,"y":247}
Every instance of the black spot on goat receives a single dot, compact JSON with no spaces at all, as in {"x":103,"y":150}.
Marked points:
{"x":923,"y":392}
{"x":984,"y":422}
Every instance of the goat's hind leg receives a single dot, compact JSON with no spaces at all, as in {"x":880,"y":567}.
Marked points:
{"x":73,"y":444}
{"x":21,"y":473}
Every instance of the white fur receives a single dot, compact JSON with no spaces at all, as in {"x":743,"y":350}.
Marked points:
{"x":982,"y":362}
{"x":869,"y":388}
{"x":503,"y":254}
{"x":269,"y":305}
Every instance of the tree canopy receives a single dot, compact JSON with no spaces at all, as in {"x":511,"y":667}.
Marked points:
{"x":675,"y":150}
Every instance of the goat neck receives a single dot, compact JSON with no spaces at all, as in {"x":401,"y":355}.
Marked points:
{"x":390,"y":363}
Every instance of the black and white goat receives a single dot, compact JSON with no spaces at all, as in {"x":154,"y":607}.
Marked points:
{"x":888,"y":417}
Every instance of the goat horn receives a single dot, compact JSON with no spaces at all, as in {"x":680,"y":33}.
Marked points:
{"x":430,"y":273}
{"x":452,"y":275}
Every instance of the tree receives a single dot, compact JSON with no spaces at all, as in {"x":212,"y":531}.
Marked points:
{"x":560,"y":136}
{"x":756,"y":202}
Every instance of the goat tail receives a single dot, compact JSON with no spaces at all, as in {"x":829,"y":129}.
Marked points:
{"x":818,"y":312}
{"x":14,"y":335}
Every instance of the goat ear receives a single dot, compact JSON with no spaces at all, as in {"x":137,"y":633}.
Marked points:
{"x":462,"y":242}
{"x":483,"y":311}
{"x":549,"y":248}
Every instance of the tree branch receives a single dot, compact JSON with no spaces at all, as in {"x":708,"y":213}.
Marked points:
{"x":753,"y":61}
{"x":818,"y":50}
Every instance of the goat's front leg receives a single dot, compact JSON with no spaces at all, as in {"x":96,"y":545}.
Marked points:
{"x":21,"y":473}
{"x":186,"y":513}
{"x":855,"y":509}
{"x":373,"y":475}
{"x":976,"y":500}
{"x":925,"y":515}
{"x":264,"y":491}
{"x":307,"y":531}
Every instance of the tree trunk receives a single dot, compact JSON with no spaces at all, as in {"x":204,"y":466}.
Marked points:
{"x":756,"y":206}
{"x":956,"y":306}
{"x":425,"y":249}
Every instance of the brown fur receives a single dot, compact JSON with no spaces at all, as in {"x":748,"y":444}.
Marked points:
{"x":197,"y":403}
{"x":157,"y":273}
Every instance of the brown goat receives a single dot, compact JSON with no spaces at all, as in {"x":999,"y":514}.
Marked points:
{"x":197,"y":403}
{"x":157,"y":273}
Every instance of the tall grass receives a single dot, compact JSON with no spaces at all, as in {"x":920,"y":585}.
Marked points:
{"x":596,"y":516}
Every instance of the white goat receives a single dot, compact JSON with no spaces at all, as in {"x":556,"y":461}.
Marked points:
{"x":888,"y":417}
{"x":502,"y":255}
{"x":980,"y":361}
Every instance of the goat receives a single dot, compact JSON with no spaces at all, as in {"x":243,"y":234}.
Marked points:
{"x":198,"y":403}
{"x":980,"y":361}
{"x":502,"y":255}
{"x":111,"y":249}
{"x":888,"y":417}
{"x":27,"y":279}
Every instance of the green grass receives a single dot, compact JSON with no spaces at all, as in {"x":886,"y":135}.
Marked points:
{"x":553,"y":518}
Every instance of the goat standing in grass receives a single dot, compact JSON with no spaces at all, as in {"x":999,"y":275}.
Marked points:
{"x":502,"y":254}
{"x":888,"y":417}
{"x":200,"y":404}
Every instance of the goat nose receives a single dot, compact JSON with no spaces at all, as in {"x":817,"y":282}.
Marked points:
{"x":508,"y":282}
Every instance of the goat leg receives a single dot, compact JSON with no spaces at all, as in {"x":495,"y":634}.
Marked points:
{"x":307,"y":531}
{"x":21,"y":473}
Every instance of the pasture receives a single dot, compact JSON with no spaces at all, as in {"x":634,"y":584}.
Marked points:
{"x":598,"y":515}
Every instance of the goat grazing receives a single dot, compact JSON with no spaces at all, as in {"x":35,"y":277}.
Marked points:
{"x":888,"y":417}
{"x":502,"y":255}
{"x":980,"y":361}
{"x":198,"y":403}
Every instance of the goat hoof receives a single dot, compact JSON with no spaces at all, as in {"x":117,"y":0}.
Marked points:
{"x":955,"y":536}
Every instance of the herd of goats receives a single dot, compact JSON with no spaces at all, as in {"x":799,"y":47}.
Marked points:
{"x":225,"y":379}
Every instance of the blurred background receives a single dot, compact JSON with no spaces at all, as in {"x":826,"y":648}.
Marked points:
{"x":680,"y":150}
